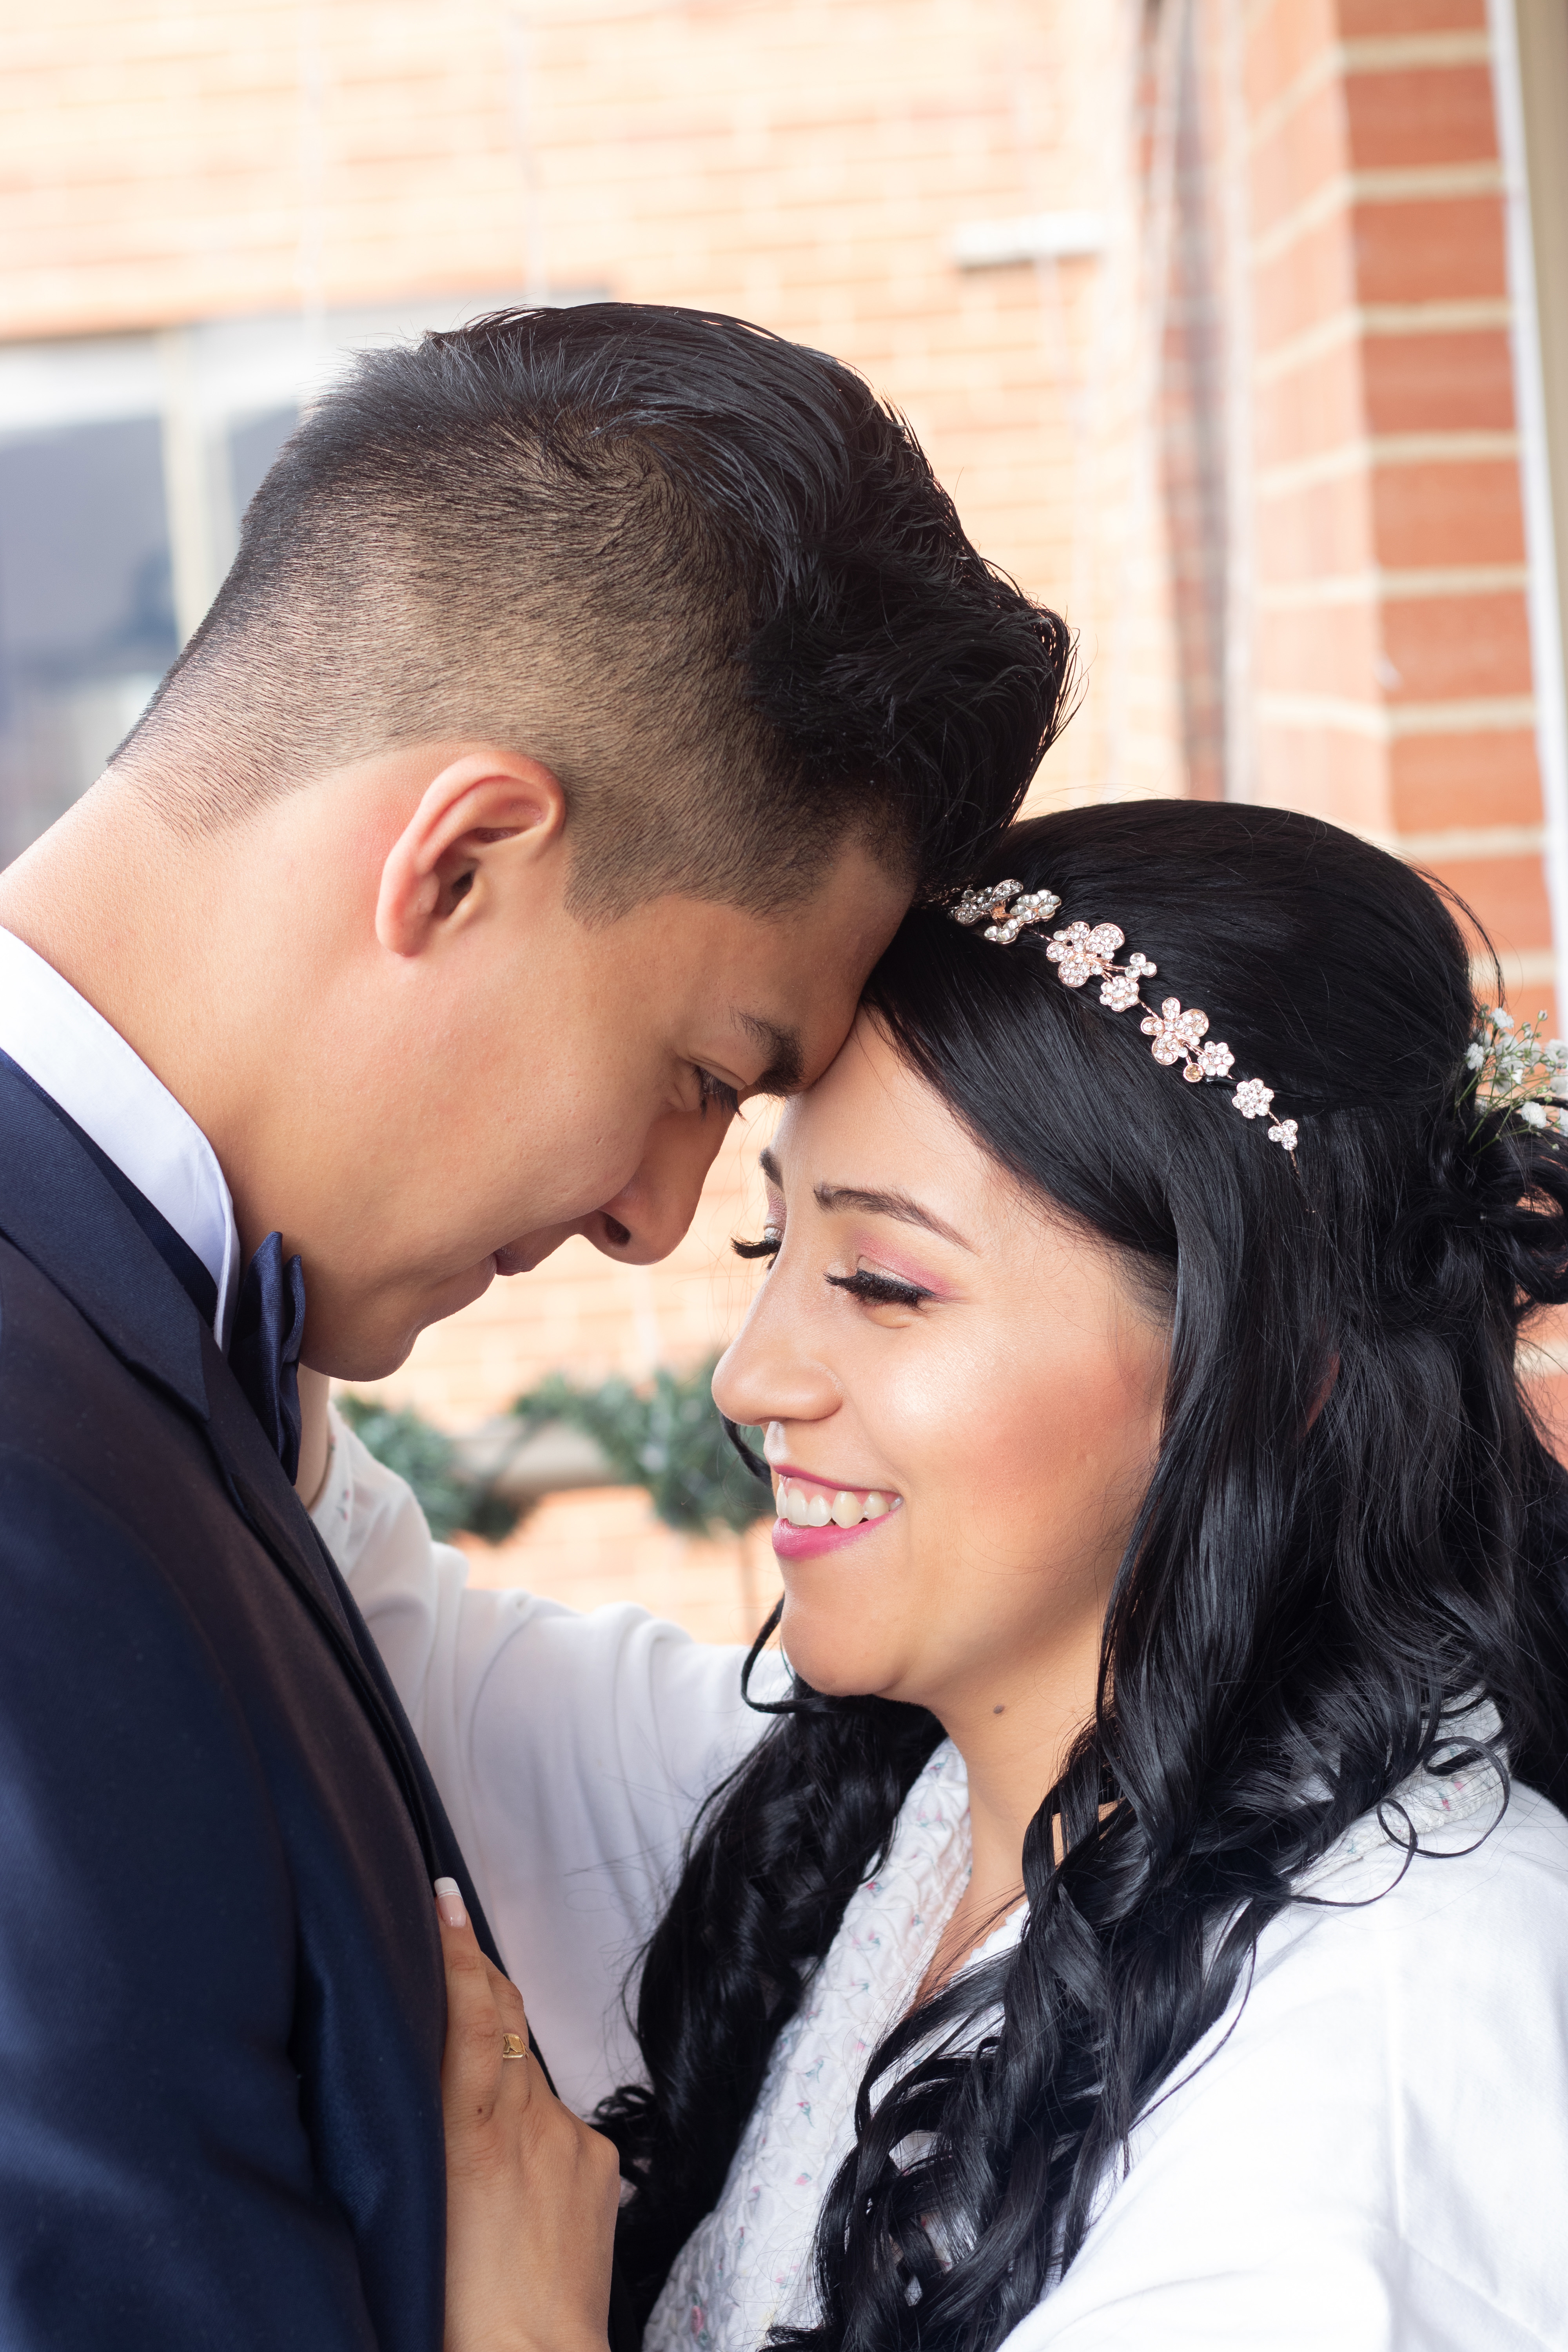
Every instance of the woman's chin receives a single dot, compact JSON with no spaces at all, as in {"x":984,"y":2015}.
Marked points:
{"x":828,"y":1648}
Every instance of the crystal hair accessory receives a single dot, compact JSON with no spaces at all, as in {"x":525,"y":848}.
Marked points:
{"x":1085,"y":952}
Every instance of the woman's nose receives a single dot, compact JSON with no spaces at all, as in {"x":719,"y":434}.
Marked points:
{"x":648,"y":1217}
{"x":768,"y":1372}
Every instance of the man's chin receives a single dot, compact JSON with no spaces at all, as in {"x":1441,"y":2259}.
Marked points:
{"x":374,"y":1342}
{"x":370,"y":1338}
{"x":532,"y":1250}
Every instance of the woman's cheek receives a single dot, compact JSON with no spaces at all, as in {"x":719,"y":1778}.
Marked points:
{"x":954,"y":1419}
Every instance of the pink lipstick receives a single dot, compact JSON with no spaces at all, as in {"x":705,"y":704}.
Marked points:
{"x":815,"y":1516}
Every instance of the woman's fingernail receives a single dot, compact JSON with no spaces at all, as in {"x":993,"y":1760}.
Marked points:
{"x":449,"y":1903}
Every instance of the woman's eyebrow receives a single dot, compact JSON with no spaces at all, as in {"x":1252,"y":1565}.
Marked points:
{"x":833,"y":1197}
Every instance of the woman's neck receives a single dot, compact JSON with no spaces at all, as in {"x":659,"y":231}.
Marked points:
{"x":1014,"y":1745}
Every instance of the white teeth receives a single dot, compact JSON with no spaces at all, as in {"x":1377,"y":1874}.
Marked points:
{"x":810,"y":1506}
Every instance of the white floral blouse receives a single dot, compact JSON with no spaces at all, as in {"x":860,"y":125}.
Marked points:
{"x":748,"y":2265}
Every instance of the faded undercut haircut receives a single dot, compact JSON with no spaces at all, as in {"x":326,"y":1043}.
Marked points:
{"x":703,"y":575}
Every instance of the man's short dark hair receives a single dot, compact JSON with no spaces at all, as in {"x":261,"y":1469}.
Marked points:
{"x":702,"y":574}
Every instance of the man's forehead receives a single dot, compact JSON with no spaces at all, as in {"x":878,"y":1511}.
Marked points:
{"x":808,"y":967}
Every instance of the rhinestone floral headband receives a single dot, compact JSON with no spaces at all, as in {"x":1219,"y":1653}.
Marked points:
{"x":1082,"y":952}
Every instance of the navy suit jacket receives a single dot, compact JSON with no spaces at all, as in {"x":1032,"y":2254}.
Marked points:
{"x":221,"y":1992}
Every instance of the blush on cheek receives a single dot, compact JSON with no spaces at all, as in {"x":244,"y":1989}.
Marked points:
{"x":1027,"y":1469}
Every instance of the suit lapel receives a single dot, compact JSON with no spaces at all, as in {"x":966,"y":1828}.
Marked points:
{"x":61,"y":1212}
{"x":64,"y":1215}
{"x":266,"y":1500}
{"x":263,"y":1495}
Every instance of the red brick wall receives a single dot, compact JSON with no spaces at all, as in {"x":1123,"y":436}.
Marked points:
{"x":1262,"y":449}
{"x":1392,"y":660}
{"x":806,"y":163}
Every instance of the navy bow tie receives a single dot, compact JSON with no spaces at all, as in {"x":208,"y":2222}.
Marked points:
{"x":264,"y":1352}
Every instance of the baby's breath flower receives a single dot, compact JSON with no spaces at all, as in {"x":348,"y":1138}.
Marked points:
{"x":1516,"y":1072}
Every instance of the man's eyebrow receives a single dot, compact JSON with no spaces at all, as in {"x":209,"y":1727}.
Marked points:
{"x":782,"y":1047}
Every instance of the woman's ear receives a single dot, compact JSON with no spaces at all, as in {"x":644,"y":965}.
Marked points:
{"x":483,"y":799}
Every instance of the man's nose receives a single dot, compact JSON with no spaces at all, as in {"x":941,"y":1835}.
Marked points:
{"x":648,"y":1217}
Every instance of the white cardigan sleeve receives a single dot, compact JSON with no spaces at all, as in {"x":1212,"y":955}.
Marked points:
{"x":1370,"y":2152}
{"x":571,"y":1752}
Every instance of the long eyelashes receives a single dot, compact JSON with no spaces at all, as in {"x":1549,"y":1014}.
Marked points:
{"x":878,"y":1289}
{"x":714,"y":1091}
{"x":872,"y":1289}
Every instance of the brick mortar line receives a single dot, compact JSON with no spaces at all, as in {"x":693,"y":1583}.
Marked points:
{"x":1391,"y":53}
{"x":1362,"y":320}
{"x":1524,"y":965}
{"x":1396,"y":587}
{"x":1368,"y":451}
{"x":1414,"y":183}
{"x":1458,"y":844}
{"x":1376,"y":722}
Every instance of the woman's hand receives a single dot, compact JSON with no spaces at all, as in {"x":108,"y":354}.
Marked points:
{"x":532,"y":2193}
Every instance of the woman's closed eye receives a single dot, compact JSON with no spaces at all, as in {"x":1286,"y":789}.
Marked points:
{"x":880,"y":1289}
{"x":870,"y":1287}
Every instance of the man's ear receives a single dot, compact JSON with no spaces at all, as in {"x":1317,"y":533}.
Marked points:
{"x":484,"y":800}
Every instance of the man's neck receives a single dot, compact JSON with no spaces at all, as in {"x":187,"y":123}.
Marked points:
{"x":93,"y":896}
{"x":111,"y":899}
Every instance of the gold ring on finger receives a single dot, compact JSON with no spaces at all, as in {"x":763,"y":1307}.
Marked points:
{"x":513,"y":2045}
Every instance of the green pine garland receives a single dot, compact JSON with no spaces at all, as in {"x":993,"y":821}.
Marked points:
{"x":667,"y":1437}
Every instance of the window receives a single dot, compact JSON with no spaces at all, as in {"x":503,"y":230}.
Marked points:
{"x":87,"y":624}
{"x":126,"y":463}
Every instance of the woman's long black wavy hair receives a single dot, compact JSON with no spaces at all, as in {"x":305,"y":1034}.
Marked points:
{"x":1353,"y":1528}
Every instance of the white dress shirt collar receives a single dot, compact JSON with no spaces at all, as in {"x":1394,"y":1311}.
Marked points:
{"x":69,"y":1050}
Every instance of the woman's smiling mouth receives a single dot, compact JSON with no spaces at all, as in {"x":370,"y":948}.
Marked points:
{"x":815,"y":1516}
